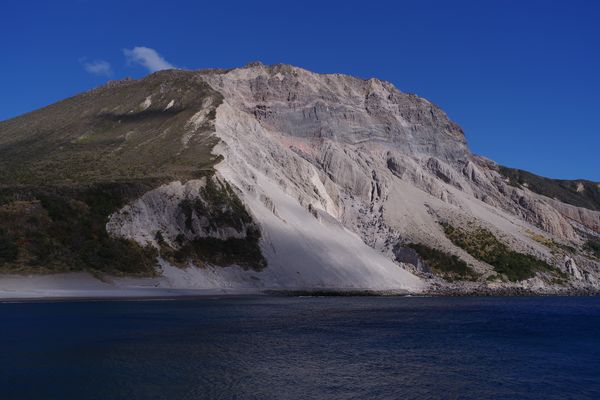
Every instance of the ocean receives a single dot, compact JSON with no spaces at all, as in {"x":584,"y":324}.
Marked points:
{"x":302,"y":348}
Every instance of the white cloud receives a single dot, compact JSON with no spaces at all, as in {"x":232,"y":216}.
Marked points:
{"x":97,"y":67}
{"x":147,"y":58}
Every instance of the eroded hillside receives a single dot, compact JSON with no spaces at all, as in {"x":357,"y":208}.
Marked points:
{"x":276,"y":177}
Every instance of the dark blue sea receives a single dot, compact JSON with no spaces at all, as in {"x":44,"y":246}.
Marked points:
{"x":302,"y":348}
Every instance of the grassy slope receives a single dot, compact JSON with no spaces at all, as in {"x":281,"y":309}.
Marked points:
{"x":588,"y":195}
{"x":483,"y":245}
{"x":449,"y":267}
{"x":107,"y":135}
{"x":65,"y":168}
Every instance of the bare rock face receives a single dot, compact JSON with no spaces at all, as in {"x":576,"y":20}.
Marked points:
{"x":341,"y":108}
{"x":310,"y":180}
{"x":572,"y":269}
{"x":340,"y":173}
{"x":582,"y":217}
{"x":385,"y":164}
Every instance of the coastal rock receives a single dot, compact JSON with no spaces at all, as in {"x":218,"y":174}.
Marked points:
{"x":324,"y":177}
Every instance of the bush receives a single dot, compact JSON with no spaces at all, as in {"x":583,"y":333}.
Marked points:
{"x":224,"y":252}
{"x":450,"y":267}
{"x":9,"y":251}
{"x":221,"y":207}
{"x":484,"y":246}
{"x":69,"y":231}
{"x":593,"y":246}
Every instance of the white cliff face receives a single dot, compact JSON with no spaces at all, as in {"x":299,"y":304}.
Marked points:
{"x":306,"y":247}
{"x":304,"y":243}
{"x":337,"y":172}
{"x":392,"y":164}
{"x":304,"y":106}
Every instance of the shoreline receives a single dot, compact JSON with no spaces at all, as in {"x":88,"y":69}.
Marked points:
{"x":191,"y":295}
{"x":85,"y":287}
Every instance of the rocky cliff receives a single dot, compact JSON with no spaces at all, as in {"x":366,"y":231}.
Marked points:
{"x":274,"y":177}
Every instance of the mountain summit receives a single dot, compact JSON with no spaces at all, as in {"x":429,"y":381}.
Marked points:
{"x":275,"y":177}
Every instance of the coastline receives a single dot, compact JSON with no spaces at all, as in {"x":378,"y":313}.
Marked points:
{"x":82,"y":286}
{"x":200,"y":294}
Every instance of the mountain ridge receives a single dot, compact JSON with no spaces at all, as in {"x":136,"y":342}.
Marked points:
{"x":337,"y":174}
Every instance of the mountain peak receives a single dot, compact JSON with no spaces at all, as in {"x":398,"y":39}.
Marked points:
{"x":303,"y":104}
{"x":310,"y":180}
{"x":254,"y":64}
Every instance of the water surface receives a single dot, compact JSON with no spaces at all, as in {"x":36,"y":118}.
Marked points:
{"x":302,"y":348}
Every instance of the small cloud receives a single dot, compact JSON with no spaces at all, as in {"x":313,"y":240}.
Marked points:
{"x":97,"y":67}
{"x":146,"y":57}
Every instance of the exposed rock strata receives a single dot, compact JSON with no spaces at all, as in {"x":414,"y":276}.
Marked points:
{"x":336,"y":175}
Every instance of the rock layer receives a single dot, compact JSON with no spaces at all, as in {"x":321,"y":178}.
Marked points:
{"x":335,"y":177}
{"x":386,"y":165}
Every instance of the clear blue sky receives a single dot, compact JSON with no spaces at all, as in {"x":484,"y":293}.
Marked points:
{"x":521,"y":77}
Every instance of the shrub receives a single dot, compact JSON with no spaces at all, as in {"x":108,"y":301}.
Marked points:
{"x":69,"y":233}
{"x":9,"y":251}
{"x":483,"y":245}
{"x":224,"y":252}
{"x":450,"y":267}
{"x":593,"y":246}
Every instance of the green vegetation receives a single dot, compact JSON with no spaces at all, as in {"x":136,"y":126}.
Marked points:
{"x":243,"y":252}
{"x":54,"y":229}
{"x":224,"y":210}
{"x":9,"y":251}
{"x":107,"y":135}
{"x":450,"y":267}
{"x":593,"y":246}
{"x":483,"y":245}
{"x":580,"y":193}
{"x":555,"y":247}
{"x":220,"y":204}
{"x":66,"y":167}
{"x":63,"y":228}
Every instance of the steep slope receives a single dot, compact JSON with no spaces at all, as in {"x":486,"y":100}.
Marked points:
{"x":391,"y":167}
{"x":66,"y":168}
{"x":579,"y":193}
{"x":274,"y":177}
{"x":155,"y":127}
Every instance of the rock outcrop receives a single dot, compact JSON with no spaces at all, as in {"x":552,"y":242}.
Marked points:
{"x":331,"y":179}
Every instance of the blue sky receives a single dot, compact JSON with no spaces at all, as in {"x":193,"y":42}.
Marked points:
{"x":521,"y":77}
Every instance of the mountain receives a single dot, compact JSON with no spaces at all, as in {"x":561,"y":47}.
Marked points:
{"x":274,"y":177}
